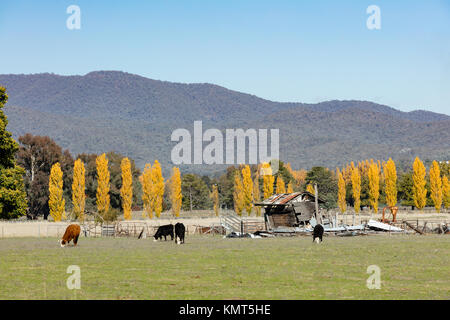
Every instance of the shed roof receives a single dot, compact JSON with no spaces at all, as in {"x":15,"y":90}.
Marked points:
{"x":288,"y":198}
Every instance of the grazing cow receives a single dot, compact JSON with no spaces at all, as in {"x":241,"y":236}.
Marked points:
{"x":179,"y":232}
{"x":72,"y":233}
{"x":164,"y":231}
{"x":317,"y":233}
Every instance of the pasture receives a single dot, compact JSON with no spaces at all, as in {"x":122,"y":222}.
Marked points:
{"x":210,"y":267}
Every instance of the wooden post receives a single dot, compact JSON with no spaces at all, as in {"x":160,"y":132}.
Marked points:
{"x":316,"y":200}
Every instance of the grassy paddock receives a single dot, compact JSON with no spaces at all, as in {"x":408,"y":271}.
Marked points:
{"x":412,"y":267}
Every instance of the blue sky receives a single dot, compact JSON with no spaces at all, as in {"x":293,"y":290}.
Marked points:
{"x":306,"y":51}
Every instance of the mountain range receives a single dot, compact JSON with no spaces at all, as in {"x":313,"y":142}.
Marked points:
{"x":117,"y":111}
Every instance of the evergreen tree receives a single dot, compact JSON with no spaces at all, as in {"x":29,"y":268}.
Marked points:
{"x":13,"y":200}
{"x":215,"y":199}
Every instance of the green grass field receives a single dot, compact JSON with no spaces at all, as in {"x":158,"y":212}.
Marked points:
{"x":205,"y":267}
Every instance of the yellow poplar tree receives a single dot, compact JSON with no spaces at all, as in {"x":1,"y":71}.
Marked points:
{"x":103,"y":184}
{"x":78,"y":190}
{"x":248,"y":189}
{"x":157,"y":188}
{"x":56,"y":202}
{"x":390,"y":182}
{"x":126,"y":191}
{"x":289,"y":188}
{"x":374,"y":186}
{"x":175,"y":191}
{"x":310,"y":188}
{"x":436,"y":186}
{"x":341,"y":192}
{"x":281,"y":187}
{"x":446,"y":192}
{"x":256,"y":193}
{"x":356,"y":188}
{"x":268,"y":180}
{"x":215,"y":199}
{"x":147,"y":194}
{"x":419,"y":191}
{"x":238,"y":194}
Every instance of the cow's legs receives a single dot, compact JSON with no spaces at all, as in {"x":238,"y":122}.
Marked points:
{"x":75,"y":240}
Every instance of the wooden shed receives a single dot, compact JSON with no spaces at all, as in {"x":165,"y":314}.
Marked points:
{"x":288,"y":209}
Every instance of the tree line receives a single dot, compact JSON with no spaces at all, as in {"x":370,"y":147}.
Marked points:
{"x":39,"y":178}
{"x":370,"y":182}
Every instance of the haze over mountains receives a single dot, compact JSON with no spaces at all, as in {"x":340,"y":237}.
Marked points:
{"x":116,"y":111}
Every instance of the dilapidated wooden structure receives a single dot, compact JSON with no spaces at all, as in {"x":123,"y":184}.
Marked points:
{"x":289,"y":210}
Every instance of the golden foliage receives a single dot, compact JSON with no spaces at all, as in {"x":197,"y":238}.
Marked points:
{"x":298,"y":175}
{"x":419,"y":190}
{"x":356,"y":188}
{"x":157,"y":188}
{"x":56,"y":202}
{"x":256,"y":193}
{"x":78,"y":190}
{"x":238,"y":194}
{"x":374,"y":185}
{"x":341,"y":193}
{"x":446,"y":192}
{"x":268,"y":180}
{"x":147,"y":194}
{"x":103,"y":185}
{"x":281,"y":187}
{"x":175,"y":191}
{"x":248,"y":189}
{"x":310,"y":188}
{"x":390,"y":182}
{"x":290,"y":189}
{"x":436,"y":186}
{"x":126,"y":191}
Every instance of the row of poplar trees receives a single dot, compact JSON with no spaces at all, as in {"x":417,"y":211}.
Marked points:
{"x":152,"y":190}
{"x":387,"y":173}
{"x":247,"y":190}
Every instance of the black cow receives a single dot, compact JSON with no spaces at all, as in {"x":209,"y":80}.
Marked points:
{"x":318,"y":233}
{"x":179,"y":232}
{"x":164,"y":231}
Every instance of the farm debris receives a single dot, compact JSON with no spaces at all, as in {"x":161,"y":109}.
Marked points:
{"x":380,"y":226}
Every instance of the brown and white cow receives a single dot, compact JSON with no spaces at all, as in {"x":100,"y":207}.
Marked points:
{"x":72,"y":233}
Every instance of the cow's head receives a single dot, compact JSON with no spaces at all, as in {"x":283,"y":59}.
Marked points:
{"x":62,"y":243}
